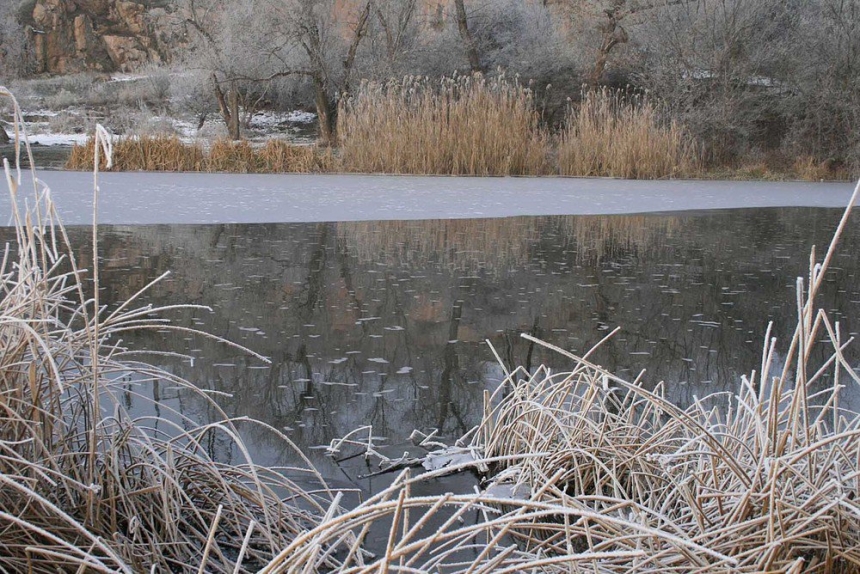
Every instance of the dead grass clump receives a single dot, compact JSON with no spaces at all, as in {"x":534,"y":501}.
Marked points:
{"x":157,"y":153}
{"x":142,"y":153}
{"x":231,"y":156}
{"x":85,"y":486}
{"x":465,"y":125}
{"x":278,"y":156}
{"x":614,"y":134}
{"x":82,"y":157}
{"x":809,"y":168}
{"x":480,"y":533}
{"x":169,"y":153}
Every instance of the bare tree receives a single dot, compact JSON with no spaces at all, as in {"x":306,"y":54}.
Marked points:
{"x":247,"y":44}
{"x":13,"y":49}
{"x":823,"y":101}
{"x":319,"y":39}
{"x":14,"y":57}
{"x":612,"y":34}
{"x":392,"y":33}
{"x":721,"y":64}
{"x":466,"y":35}
{"x":227,"y":44}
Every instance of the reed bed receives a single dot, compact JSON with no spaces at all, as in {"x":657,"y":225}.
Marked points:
{"x":230,"y":156}
{"x":278,"y":156}
{"x":614,"y":134}
{"x":169,"y":153}
{"x":85,"y":486}
{"x":464,"y":125}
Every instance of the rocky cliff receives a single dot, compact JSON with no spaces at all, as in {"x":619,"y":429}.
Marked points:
{"x":100,"y":35}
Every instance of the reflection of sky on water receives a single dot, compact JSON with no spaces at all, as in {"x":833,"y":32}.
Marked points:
{"x":385,"y":323}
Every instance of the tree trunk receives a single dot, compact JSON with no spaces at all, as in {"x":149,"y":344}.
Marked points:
{"x":360,"y":30}
{"x":466,"y":35}
{"x":233,"y":102}
{"x":325,"y":113}
{"x":613,"y":34}
{"x":228,"y":107}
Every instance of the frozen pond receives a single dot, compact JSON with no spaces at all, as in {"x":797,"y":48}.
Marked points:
{"x":165,"y":198}
{"x":386,"y":322}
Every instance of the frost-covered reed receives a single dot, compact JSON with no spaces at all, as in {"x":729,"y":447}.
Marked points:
{"x":86,"y":486}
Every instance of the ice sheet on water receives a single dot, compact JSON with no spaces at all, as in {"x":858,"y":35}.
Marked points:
{"x":508,"y":491}
{"x":449,"y":457}
{"x":149,"y":198}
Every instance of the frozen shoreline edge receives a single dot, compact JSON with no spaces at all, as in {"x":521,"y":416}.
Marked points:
{"x":148,"y":198}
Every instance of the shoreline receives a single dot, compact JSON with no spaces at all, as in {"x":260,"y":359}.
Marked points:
{"x":54,"y":157}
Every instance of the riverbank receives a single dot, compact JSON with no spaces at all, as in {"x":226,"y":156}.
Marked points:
{"x":56,"y":158}
{"x":470,"y":125}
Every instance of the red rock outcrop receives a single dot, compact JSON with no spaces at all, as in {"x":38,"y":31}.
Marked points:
{"x":101,"y":35}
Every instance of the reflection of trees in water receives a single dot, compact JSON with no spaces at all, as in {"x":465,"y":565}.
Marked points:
{"x":498,"y":246}
{"x":329,"y":302}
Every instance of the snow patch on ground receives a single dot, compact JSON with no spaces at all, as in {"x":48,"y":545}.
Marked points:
{"x":293,"y":126}
{"x":126,"y":77}
{"x":58,"y":139}
{"x":271,"y":120}
{"x":183,"y":128}
{"x":42,"y":113}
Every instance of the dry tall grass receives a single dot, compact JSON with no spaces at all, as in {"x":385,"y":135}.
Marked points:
{"x":169,"y":153}
{"x":617,"y":135}
{"x":144,"y":153}
{"x":465,"y":125}
{"x":278,"y":156}
{"x":88,"y":488}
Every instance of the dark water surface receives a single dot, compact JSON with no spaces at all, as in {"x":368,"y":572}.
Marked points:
{"x":385,"y":323}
